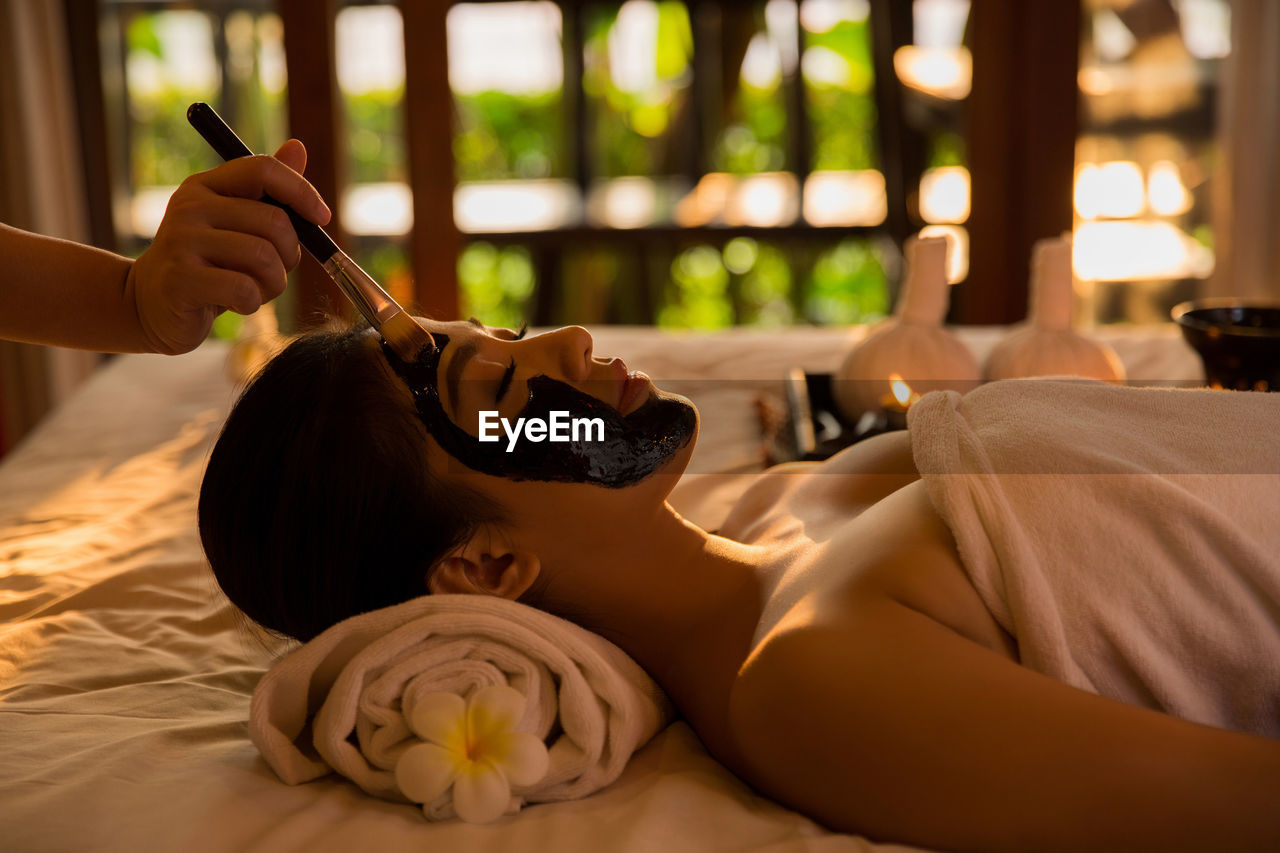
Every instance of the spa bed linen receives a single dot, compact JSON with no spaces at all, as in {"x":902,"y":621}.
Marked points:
{"x":125,"y":679}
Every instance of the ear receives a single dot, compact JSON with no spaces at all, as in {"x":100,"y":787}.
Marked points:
{"x":487,"y":566}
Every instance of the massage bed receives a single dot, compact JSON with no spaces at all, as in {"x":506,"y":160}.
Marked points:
{"x":125,"y":678}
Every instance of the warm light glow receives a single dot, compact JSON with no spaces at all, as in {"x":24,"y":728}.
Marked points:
{"x":185,"y":63}
{"x":624,"y":202}
{"x":1137,"y":251}
{"x":1166,"y":193}
{"x":536,"y":205}
{"x":762,"y":64}
{"x":508,"y":47}
{"x":271,"y":61}
{"x":765,"y":200}
{"x":944,"y":194}
{"x":1111,"y":38}
{"x":378,"y":209}
{"x":1206,"y":27}
{"x":819,"y":16}
{"x":901,"y":391}
{"x":1111,"y":190}
{"x":822,"y":66}
{"x":845,"y":198}
{"x":707,"y":201}
{"x":1096,"y":81}
{"x":944,"y":72}
{"x":938,"y":23}
{"x":147,"y":208}
{"x":957,"y":249}
{"x":780,"y":21}
{"x":369,"y":41}
{"x":633,"y":44}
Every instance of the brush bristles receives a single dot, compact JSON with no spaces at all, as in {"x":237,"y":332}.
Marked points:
{"x":403,"y":334}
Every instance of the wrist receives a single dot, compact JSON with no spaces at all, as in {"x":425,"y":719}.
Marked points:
{"x":146,"y":340}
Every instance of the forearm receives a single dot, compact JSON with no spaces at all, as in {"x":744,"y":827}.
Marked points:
{"x":62,"y":293}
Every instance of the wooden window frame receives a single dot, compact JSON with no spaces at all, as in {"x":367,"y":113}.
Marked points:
{"x":1020,"y":136}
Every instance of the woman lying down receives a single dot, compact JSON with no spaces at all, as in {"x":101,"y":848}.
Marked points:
{"x":1047,"y":616}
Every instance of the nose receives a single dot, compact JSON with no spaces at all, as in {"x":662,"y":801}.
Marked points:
{"x":568,"y":349}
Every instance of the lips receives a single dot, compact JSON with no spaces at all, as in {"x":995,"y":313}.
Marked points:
{"x":634,"y":390}
{"x":632,"y":386}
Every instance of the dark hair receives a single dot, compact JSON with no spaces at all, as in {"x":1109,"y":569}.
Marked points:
{"x":318,"y":503}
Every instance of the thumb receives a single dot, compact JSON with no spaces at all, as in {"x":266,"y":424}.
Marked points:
{"x":293,"y":154}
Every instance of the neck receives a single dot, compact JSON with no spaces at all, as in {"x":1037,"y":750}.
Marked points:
{"x":685,"y":607}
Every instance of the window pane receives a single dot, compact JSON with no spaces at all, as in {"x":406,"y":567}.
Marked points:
{"x":760,"y":40}
{"x":377,"y":203}
{"x":1148,"y":86}
{"x":637,"y":74}
{"x":171,"y":59}
{"x":846,"y":186}
{"x":506,"y":72}
{"x":169,"y":62}
{"x":838,"y":80}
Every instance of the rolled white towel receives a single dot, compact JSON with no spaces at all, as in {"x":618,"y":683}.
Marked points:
{"x":584,"y":697}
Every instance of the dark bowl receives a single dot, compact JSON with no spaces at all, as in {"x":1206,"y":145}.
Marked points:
{"x":1238,"y":340}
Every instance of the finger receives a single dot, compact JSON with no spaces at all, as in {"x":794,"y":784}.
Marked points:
{"x":219,"y":288}
{"x":244,"y":253}
{"x":259,"y":219}
{"x":293,"y":154}
{"x":253,"y":177}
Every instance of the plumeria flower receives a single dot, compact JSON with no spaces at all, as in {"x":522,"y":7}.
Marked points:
{"x":474,"y":747}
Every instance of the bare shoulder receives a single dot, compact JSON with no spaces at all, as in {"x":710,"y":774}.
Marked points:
{"x":906,"y":553}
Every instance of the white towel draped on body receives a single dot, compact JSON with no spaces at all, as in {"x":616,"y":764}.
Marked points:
{"x":591,"y":703}
{"x":1128,"y":538}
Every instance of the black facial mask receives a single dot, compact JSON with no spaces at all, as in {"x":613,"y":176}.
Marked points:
{"x":633,"y":446}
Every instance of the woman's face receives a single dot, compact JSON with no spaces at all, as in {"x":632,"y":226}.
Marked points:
{"x":543,"y":408}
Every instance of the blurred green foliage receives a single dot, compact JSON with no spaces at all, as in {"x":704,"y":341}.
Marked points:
{"x":630,"y":131}
{"x":500,"y":135}
{"x":375,"y":136}
{"x":163,"y":148}
{"x":847,"y":285}
{"x":946,"y":148}
{"x":698,"y":293}
{"x":755,"y":140}
{"x":843,"y":117}
{"x":376,"y":154}
{"x":765,"y":293}
{"x":752,"y":283}
{"x":497,"y":283}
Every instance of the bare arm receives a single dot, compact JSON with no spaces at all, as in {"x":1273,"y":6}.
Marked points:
{"x":889,"y":724}
{"x":60,"y":292}
{"x":218,"y":246}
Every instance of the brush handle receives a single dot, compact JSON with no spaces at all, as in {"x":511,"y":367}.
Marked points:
{"x":230,"y":147}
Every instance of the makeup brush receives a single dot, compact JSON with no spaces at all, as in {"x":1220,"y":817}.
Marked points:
{"x":401,"y":332}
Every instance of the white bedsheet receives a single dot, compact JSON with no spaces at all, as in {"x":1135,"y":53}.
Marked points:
{"x":125,"y":680}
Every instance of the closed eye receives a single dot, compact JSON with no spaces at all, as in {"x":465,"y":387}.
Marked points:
{"x":505,"y":382}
